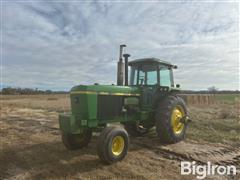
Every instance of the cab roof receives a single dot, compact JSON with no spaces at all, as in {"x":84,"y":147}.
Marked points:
{"x":151,"y":61}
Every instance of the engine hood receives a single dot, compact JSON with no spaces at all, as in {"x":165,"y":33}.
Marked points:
{"x":106,"y":90}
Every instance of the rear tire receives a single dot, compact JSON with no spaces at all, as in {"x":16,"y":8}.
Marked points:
{"x":168,"y":119}
{"x":76,"y":141}
{"x":112,"y":144}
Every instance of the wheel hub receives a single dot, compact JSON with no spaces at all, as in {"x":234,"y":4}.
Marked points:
{"x":177,"y":124}
{"x":117,"y":145}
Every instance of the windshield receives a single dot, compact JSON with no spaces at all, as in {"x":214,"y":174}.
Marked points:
{"x":144,"y":75}
{"x":151,"y":75}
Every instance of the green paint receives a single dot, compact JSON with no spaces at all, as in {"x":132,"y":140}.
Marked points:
{"x":131,"y":101}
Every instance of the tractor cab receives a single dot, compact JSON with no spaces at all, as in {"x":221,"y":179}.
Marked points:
{"x":151,"y":72}
{"x":152,"y":76}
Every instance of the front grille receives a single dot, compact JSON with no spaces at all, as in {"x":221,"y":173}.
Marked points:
{"x":109,"y":107}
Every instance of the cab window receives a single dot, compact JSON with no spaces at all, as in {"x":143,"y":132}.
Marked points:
{"x":165,"y":77}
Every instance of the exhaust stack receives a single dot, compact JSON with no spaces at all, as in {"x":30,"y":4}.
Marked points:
{"x":126,"y":56}
{"x":120,"y":70}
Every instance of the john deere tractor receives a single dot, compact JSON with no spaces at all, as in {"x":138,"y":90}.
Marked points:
{"x":134,"y":106}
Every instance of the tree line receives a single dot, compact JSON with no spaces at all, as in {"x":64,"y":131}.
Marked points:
{"x":26,"y":91}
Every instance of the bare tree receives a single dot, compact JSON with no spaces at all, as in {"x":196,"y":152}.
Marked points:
{"x":212,"y":90}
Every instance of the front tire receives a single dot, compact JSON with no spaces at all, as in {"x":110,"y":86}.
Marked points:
{"x":170,"y":119}
{"x":113,"y":144}
{"x":76,"y":141}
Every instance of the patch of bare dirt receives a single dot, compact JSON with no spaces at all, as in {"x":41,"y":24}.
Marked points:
{"x":31,"y":148}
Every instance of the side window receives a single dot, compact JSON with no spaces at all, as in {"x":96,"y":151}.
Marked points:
{"x":133,"y":76}
{"x":165,"y":78}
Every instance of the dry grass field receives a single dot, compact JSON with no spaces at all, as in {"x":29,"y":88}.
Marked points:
{"x":31,"y":147}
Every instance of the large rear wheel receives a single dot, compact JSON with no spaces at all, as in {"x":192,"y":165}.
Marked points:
{"x":76,"y":141}
{"x":170,"y":119}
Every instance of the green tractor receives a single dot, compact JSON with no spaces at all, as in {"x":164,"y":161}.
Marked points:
{"x":145,"y":100}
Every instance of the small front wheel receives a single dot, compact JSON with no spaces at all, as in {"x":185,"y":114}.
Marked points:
{"x":76,"y":141}
{"x":113,"y":144}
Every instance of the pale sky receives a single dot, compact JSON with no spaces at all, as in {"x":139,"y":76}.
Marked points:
{"x":56,"y":45}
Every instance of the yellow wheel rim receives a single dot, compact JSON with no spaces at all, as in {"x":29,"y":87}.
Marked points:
{"x":177,"y":115}
{"x":117,"y":145}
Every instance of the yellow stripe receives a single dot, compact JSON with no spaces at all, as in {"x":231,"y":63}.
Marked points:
{"x":83,"y":92}
{"x":103,"y":93}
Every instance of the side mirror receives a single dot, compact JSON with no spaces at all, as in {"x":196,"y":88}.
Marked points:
{"x":177,"y":85}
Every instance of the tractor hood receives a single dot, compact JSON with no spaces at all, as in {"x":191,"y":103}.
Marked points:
{"x":99,"y":101}
{"x":106,"y":90}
